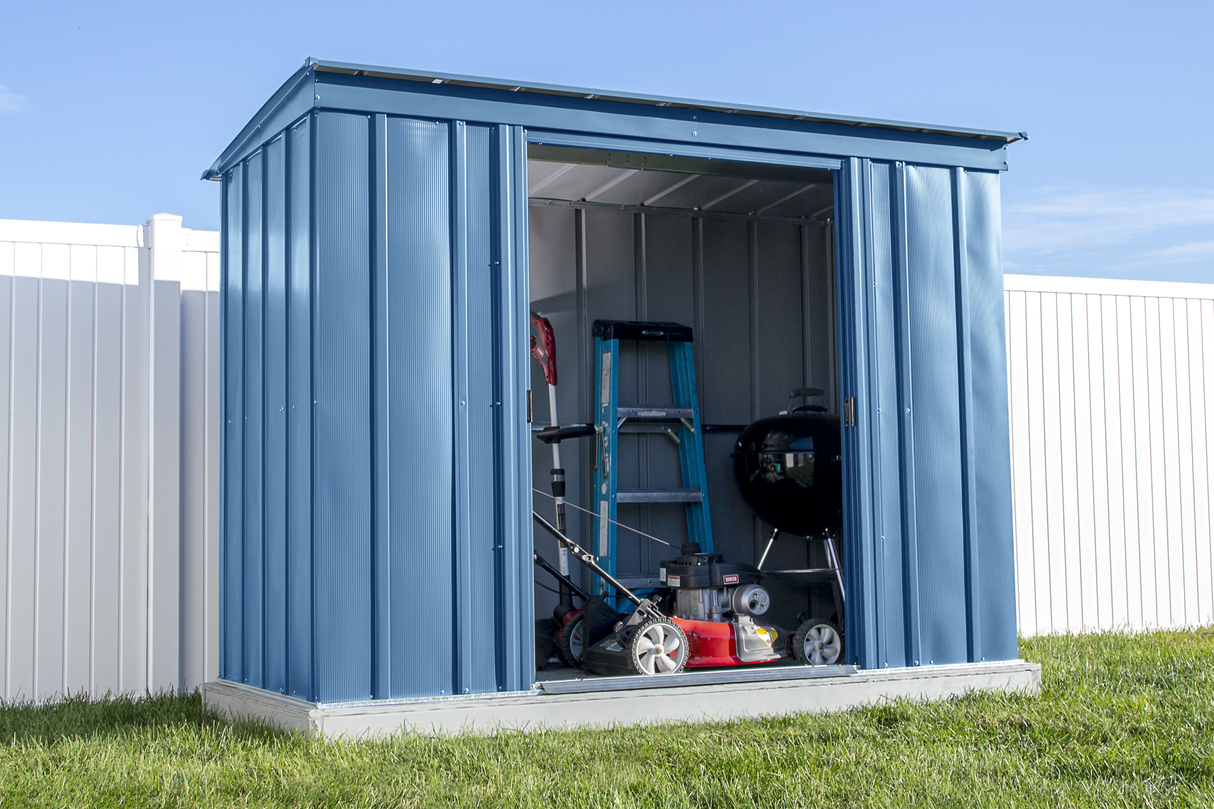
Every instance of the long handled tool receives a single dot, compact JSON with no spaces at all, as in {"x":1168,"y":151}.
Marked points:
{"x":544,"y":351}
{"x":644,"y":607}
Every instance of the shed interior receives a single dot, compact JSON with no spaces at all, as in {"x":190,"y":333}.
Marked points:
{"x":741,"y":252}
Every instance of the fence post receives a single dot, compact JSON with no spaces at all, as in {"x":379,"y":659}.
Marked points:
{"x":167,"y":240}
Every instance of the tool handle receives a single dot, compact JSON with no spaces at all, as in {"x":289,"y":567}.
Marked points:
{"x":555,"y":435}
{"x":544,"y":349}
{"x":587,"y":559}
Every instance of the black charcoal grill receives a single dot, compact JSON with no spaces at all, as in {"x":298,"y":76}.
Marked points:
{"x":790,"y":470}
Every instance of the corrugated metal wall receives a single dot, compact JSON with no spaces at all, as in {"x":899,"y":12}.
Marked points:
{"x":1112,"y":450}
{"x":375,"y":435}
{"x":107,"y":487}
{"x":931,"y":577}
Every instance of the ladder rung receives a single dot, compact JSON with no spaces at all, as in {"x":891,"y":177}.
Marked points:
{"x":651,"y":412}
{"x":661,"y":496}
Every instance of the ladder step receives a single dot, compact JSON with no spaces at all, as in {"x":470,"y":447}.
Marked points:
{"x":651,"y":412}
{"x":637,"y":330}
{"x":661,"y":496}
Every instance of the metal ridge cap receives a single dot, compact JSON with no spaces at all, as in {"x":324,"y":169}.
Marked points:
{"x":596,"y":94}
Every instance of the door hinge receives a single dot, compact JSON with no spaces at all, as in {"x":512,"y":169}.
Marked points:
{"x":849,"y":411}
{"x":528,"y":405}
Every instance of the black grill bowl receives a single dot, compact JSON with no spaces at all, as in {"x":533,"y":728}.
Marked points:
{"x":790,"y":471}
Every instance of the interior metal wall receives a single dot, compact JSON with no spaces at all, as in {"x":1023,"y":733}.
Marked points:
{"x":759,"y":296}
{"x":929,"y":465}
{"x":374,"y":432}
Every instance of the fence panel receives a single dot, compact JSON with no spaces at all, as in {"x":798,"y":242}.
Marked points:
{"x":108,"y":505}
{"x":1112,"y":383}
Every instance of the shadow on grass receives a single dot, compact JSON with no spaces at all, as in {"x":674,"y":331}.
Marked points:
{"x":78,"y":716}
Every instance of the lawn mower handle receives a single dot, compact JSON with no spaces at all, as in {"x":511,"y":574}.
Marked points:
{"x":544,"y":564}
{"x":643,"y":605}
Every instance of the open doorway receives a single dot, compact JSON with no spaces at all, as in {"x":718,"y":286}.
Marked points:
{"x":743,"y":255}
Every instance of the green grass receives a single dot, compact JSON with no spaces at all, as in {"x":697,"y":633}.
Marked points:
{"x":1122,"y":721}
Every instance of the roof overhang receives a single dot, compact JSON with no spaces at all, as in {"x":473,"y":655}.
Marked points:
{"x":272,"y":111}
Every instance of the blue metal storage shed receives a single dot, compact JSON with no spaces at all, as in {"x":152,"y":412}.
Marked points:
{"x":376,"y":533}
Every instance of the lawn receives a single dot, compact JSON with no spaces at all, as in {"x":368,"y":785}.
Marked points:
{"x":1123,"y":720}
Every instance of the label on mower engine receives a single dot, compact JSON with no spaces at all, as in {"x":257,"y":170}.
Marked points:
{"x":672,"y":581}
{"x":730,"y":578}
{"x":661,"y":574}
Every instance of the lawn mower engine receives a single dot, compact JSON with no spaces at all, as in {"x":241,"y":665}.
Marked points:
{"x":716,"y":603}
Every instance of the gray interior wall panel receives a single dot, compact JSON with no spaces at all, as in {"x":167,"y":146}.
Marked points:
{"x":276,"y":416}
{"x":77,"y":629}
{"x":725,"y":390}
{"x":342,"y":529}
{"x":52,"y":479}
{"x":420,"y":398}
{"x":231,"y":593}
{"x":299,"y":425}
{"x":992,"y":540}
{"x":22,"y":498}
{"x":133,"y":588}
{"x":252,"y":531}
{"x":107,"y":494}
{"x":936,"y":416}
{"x":818,"y":304}
{"x":779,"y":338}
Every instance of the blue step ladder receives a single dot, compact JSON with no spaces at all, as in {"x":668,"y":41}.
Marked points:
{"x":679,"y":421}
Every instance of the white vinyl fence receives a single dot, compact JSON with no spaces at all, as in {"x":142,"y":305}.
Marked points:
{"x":109,"y":502}
{"x":108,"y":457}
{"x":1112,"y":400}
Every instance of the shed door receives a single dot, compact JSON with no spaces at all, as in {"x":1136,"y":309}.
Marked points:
{"x":928,"y":499}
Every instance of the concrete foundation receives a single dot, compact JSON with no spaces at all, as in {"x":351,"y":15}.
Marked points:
{"x":638,"y":705}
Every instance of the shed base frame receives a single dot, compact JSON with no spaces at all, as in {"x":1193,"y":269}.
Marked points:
{"x":537,"y":710}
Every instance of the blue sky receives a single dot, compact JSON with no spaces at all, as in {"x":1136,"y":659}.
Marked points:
{"x":109,"y":112}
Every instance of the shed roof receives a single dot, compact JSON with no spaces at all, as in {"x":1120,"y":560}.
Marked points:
{"x":657,"y":101}
{"x":594,"y":94}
